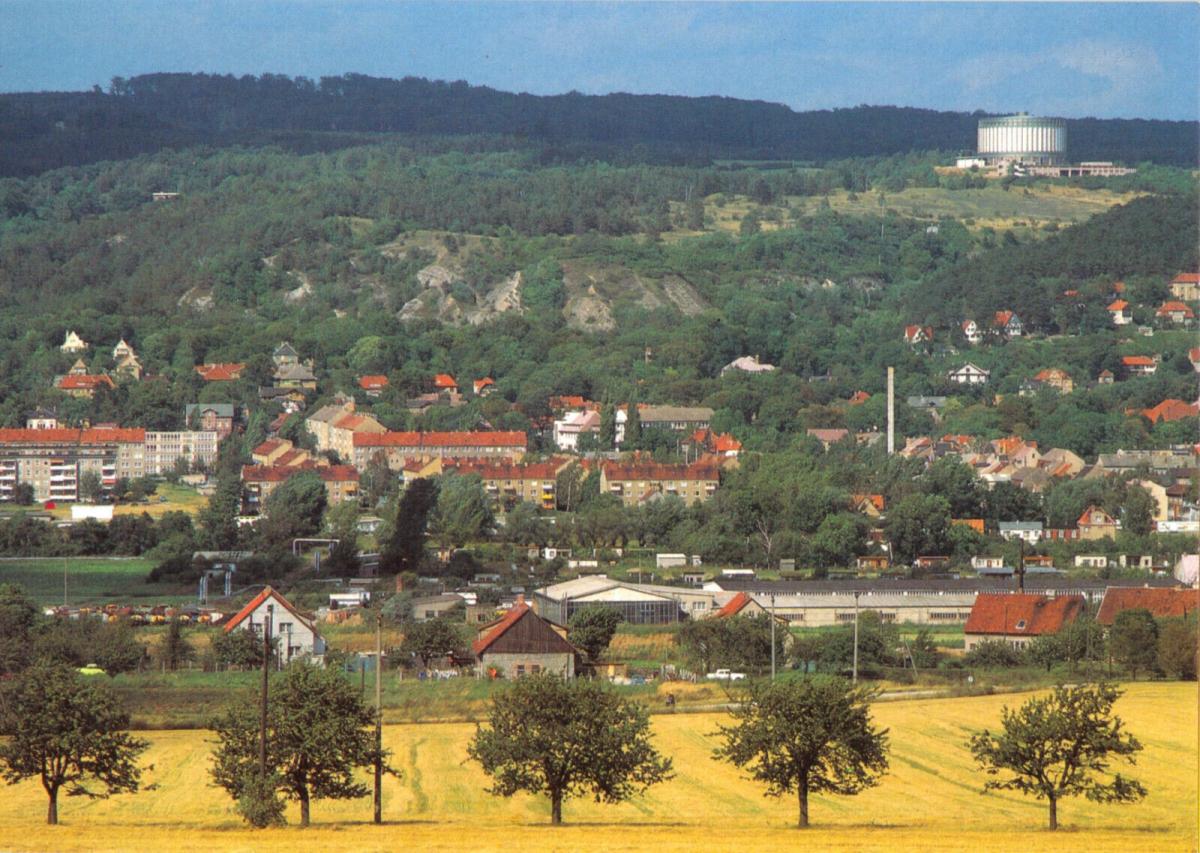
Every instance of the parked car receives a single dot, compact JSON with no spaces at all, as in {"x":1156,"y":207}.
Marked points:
{"x":726,"y":675}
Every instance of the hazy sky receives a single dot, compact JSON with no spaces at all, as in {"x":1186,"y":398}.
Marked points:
{"x":1069,"y":59}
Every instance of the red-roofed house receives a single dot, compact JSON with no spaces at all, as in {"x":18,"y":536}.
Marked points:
{"x":1186,"y":286}
{"x":1018,"y":618}
{"x":1139,"y":365}
{"x":221,"y":372}
{"x":1162,"y":603}
{"x":295,"y":634}
{"x":972,"y":332}
{"x":483,"y":387}
{"x":705,"y":440}
{"x":1176,"y":312}
{"x":523,"y":643}
{"x":84,"y":386}
{"x":444,"y":382}
{"x":870,"y":505}
{"x":1171,"y":410}
{"x":828,"y":437}
{"x":1008,"y":324}
{"x":859,"y":397}
{"x":1194,"y":358}
{"x":1055,"y":378}
{"x":914,"y":335}
{"x":1119,"y":309}
{"x":1095,"y":523}
{"x":373,"y":384}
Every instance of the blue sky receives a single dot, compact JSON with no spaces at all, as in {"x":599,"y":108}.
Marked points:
{"x":1068,"y":59}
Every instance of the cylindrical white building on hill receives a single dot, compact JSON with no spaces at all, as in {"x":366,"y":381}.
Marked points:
{"x":1023,"y":138}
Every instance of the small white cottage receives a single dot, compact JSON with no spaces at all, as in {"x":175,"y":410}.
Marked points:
{"x":297,"y":636}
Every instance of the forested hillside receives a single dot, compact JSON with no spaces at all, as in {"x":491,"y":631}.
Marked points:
{"x":614,"y":282}
{"x":40,"y":131}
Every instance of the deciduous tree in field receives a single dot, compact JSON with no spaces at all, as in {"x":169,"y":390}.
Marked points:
{"x":813,"y":735}
{"x":1061,"y":745}
{"x":592,"y":629}
{"x":319,"y":731}
{"x":69,"y":732}
{"x":432,"y":638}
{"x":562,"y":738}
{"x":1133,"y":640}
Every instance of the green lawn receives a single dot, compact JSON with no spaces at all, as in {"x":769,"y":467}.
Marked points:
{"x":90,"y":580}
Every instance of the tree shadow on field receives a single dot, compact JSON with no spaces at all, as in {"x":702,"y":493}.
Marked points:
{"x":615,"y":824}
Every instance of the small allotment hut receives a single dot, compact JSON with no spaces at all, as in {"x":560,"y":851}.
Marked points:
{"x":523,"y":643}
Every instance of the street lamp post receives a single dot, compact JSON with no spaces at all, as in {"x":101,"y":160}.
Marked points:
{"x":772,"y":636}
{"x":855,"y":671}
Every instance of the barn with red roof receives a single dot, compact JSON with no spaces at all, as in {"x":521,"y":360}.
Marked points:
{"x":295,"y":635}
{"x":523,"y":643}
{"x":1018,"y":618}
{"x":1162,"y":603}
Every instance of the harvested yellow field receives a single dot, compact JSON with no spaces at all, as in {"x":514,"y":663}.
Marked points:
{"x":929,"y":801}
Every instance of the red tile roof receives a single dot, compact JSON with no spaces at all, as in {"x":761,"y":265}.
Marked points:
{"x":1002,"y":318}
{"x":1085,"y":519}
{"x":373,"y":382}
{"x":1022,"y":614}
{"x":1168,"y":308}
{"x":734,"y":605}
{"x":1187,"y":278}
{"x":267,"y":592}
{"x":623,"y":471}
{"x":77,"y":382}
{"x":267,"y":447}
{"x":440,"y":439}
{"x":444,"y":380}
{"x":1118,"y":305}
{"x":911,"y":332}
{"x":1194,"y":355}
{"x":1137,"y":360}
{"x":72,"y":436}
{"x":859,"y":397}
{"x":278,"y":473}
{"x":220,"y":372}
{"x":1171,"y":410}
{"x":485,"y":382}
{"x":1162,"y":603}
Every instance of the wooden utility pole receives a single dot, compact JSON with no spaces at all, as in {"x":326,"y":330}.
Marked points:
{"x":262,"y":706}
{"x":854,"y":677}
{"x":379,"y":717}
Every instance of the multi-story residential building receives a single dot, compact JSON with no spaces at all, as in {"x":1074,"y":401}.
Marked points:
{"x":259,"y":481}
{"x":54,"y":461}
{"x":397,"y":448}
{"x":571,"y":426}
{"x":333,"y":427}
{"x":198,"y":448}
{"x":634,"y":482}
{"x":508,"y":484}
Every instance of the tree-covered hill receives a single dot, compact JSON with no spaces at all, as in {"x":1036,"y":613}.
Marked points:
{"x":40,"y":131}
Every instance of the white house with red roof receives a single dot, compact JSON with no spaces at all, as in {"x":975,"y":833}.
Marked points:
{"x":1139,"y":365}
{"x":972,"y":332}
{"x":1118,"y":309}
{"x":1007,"y":324}
{"x":295,"y":635}
{"x":1175,"y":311}
{"x":914,"y":335}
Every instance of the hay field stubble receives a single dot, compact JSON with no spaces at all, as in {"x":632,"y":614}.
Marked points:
{"x":930,"y":799}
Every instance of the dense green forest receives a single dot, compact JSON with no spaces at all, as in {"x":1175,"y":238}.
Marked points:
{"x":627,"y":290}
{"x":41,"y":131}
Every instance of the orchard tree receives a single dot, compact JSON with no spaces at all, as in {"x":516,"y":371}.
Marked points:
{"x":812,"y":735}
{"x":463,"y":511}
{"x":70,"y":732}
{"x":565,"y":738}
{"x":1061,"y":745}
{"x":591,"y":629}
{"x":1133,"y":640}
{"x":20,"y":617}
{"x":319,"y":731}
{"x":1177,"y":648}
{"x":431,"y":639}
